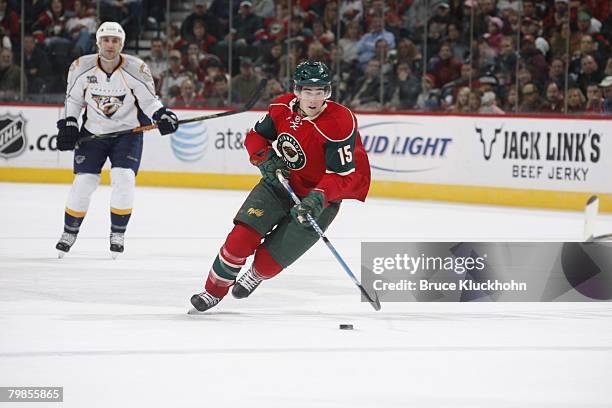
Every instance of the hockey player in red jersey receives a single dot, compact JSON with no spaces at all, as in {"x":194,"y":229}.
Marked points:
{"x":319,"y":150}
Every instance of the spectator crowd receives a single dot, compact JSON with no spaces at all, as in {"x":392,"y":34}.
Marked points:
{"x":461,"y":56}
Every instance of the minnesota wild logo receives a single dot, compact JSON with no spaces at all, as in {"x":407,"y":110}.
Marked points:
{"x":291,"y":151}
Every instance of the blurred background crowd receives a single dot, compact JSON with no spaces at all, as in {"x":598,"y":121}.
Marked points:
{"x":470,"y":56}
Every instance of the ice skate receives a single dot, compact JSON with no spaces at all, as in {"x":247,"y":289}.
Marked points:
{"x":246,"y":284}
{"x":65,"y":243}
{"x":116,"y":243}
{"x":203,"y":301}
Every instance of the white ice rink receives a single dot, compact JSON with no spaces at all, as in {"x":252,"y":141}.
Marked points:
{"x":116,"y":333}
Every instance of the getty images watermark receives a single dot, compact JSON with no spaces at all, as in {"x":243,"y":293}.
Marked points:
{"x":486,"y":271}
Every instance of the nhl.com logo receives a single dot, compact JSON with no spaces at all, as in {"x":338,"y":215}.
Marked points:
{"x":12,"y":136}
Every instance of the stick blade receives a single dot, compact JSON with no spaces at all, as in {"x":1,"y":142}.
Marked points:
{"x":372,"y":298}
{"x":590,"y":214}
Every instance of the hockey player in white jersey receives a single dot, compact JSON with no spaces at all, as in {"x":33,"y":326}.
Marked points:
{"x":113,"y":92}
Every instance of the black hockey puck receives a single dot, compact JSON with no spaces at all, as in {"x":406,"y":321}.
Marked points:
{"x":346,"y":327}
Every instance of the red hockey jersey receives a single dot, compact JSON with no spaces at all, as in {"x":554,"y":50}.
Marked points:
{"x":323,"y":153}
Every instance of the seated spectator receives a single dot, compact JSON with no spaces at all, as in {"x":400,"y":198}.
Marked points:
{"x":349,"y":42}
{"x":367,"y":90}
{"x":50,"y":26}
{"x":461,"y":104}
{"x":128,"y":13}
{"x":474,"y":101}
{"x":246,"y":25}
{"x":322,"y":35}
{"x":494,"y":34}
{"x":408,"y":52}
{"x":587,"y":47}
{"x":193,"y":64}
{"x":219,"y":94}
{"x":489,"y":104}
{"x":212,"y":69}
{"x":406,"y":88}
{"x":316,"y":52}
{"x":460,"y":50}
{"x":174,"y":76}
{"x":273,"y":90}
{"x":595,"y":100}
{"x":245,"y":83}
{"x":445,"y":68}
{"x":505,"y":62}
{"x":556,"y":72}
{"x":554,"y":99}
{"x":289,"y":61}
{"x":511,"y":102}
{"x":36,"y":63}
{"x":9,"y":26}
{"x":10,"y":75}
{"x":557,"y":15}
{"x":270,"y":60}
{"x":157,"y":62}
{"x":428,"y":99}
{"x":382,"y":54}
{"x":533,"y":59}
{"x":366,"y":47}
{"x":589,"y":73}
{"x":531,"y":101}
{"x":200,"y":13}
{"x":188,"y":96}
{"x":606,"y":87}
{"x":82,"y":26}
{"x":206,"y":42}
{"x":575,"y":101}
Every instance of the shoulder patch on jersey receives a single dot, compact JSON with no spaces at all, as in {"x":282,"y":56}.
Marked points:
{"x":82,"y":64}
{"x":336,"y":123}
{"x":146,"y":72}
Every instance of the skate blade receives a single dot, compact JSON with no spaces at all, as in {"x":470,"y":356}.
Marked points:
{"x":195,"y":312}
{"x":114,"y":255}
{"x":60,"y":254}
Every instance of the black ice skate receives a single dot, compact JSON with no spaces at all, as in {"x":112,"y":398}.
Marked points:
{"x":204,"y":301}
{"x":64,"y":244}
{"x":246,"y":284}
{"x":116,"y":243}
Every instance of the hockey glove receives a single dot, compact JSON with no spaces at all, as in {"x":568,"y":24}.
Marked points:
{"x":166,"y":121}
{"x":311,"y":204}
{"x":68,"y":133}
{"x":268,"y":166}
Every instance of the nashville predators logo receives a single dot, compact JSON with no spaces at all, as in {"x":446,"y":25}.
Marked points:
{"x":291,"y":151}
{"x":108,"y":104}
{"x":255,"y":211}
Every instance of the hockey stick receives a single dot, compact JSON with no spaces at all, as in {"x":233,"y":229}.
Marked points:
{"x":372,"y":299}
{"x":247,"y":106}
{"x":590,"y":214}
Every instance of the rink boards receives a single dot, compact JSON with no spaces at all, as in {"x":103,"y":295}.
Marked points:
{"x":548,"y":162}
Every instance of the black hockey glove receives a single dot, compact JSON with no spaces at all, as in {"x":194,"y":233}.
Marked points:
{"x":68,"y":133}
{"x":311,"y":204}
{"x":268,"y":166}
{"x":166,"y":121}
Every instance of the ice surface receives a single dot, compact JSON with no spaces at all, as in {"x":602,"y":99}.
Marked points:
{"x":116,"y":333}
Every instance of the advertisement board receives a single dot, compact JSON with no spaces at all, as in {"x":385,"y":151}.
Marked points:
{"x":498,"y":160}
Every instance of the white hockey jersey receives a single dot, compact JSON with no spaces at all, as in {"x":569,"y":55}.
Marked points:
{"x":111,"y":101}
